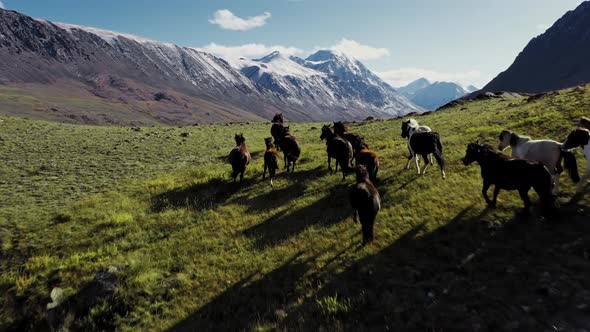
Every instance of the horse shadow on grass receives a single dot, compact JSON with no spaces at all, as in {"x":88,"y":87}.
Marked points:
{"x":325,"y":211}
{"x":470,"y":274}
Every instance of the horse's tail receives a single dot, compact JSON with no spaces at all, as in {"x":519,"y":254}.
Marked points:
{"x":438,"y":152}
{"x":569,"y":162}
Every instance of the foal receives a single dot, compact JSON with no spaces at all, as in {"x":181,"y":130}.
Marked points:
{"x":580,"y":137}
{"x":239,"y":157}
{"x":339,"y":149}
{"x":510,"y":174}
{"x":408,"y":128}
{"x":271,"y":160}
{"x":365,"y":201}
{"x":276,"y":130}
{"x":546,"y":152}
{"x":290,"y":148}
{"x":369,"y":159}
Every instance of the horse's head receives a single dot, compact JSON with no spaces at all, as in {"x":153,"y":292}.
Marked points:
{"x":584,"y":123}
{"x":407,"y":125}
{"x":507,"y":137}
{"x":278,"y":118}
{"x":286,"y":130}
{"x":326,"y":132}
{"x":268,"y":142}
{"x":473,"y":153}
{"x":362,"y":174}
{"x":339,"y":128}
{"x":239,"y":139}
{"x":578,"y":137}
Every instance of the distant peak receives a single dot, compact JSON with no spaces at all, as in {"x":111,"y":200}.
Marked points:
{"x":323,"y":55}
{"x":272,"y":56}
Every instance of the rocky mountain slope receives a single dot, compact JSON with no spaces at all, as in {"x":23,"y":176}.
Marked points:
{"x":554,"y":60}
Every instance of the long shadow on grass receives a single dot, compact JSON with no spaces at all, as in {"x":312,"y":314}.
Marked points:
{"x":198,"y":197}
{"x":469,"y":275}
{"x":324,"y":212}
{"x":248,"y":302}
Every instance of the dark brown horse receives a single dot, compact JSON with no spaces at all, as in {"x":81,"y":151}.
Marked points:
{"x":370,"y":160}
{"x":271,"y":160}
{"x":584,"y":123}
{"x":239,"y":157}
{"x":276,"y":130}
{"x":357,"y":141}
{"x":510,"y":174}
{"x":290,"y":148}
{"x":365,"y":201}
{"x":339,"y":149}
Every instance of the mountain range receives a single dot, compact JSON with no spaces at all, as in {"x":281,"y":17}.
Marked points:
{"x":431,"y":96}
{"x":554,"y":60}
{"x":77,"y":74}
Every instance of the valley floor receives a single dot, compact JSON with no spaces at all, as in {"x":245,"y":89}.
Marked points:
{"x":191,"y":251}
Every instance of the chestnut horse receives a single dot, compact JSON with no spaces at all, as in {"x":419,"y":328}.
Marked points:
{"x":357,"y":141}
{"x":290,"y":148}
{"x":365,"y":202}
{"x":271,"y":160}
{"x":239,"y":157}
{"x":370,"y":160}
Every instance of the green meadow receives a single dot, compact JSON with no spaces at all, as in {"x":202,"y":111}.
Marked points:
{"x":192,"y":251}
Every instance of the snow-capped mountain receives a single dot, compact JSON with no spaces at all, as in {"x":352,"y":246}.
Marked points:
{"x":433,"y":95}
{"x":148,"y":81}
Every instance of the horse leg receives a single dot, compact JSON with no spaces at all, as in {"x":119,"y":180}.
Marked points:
{"x":410,"y":157}
{"x":484,"y":192}
{"x":286,"y":165}
{"x":355,"y":215}
{"x":293,"y":167}
{"x":417,"y":161}
{"x":336,"y":170}
{"x":426,"y":163}
{"x":555,"y":190}
{"x":582,"y":182}
{"x":524,"y":195}
{"x":496,"y":192}
{"x":330,"y":163}
{"x":264,"y":173}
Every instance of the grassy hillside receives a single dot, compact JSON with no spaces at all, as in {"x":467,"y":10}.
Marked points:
{"x":194,"y":252}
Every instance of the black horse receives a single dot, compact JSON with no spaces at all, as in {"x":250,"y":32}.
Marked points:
{"x":276,"y":130}
{"x":339,"y":149}
{"x":510,"y":174}
{"x":425,"y":143}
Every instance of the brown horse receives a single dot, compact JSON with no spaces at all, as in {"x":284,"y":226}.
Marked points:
{"x":276,"y":130}
{"x":365,"y":201}
{"x":290,"y":148}
{"x":339,"y":149}
{"x":357,"y":141}
{"x":271,"y":160}
{"x":370,"y":160}
{"x":239,"y":157}
{"x":510,"y":174}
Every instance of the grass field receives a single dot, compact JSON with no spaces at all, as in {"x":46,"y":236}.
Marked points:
{"x":194,"y":252}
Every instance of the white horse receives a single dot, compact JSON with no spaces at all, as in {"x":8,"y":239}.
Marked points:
{"x":410,"y":127}
{"x":546,"y":152}
{"x":580,"y":137}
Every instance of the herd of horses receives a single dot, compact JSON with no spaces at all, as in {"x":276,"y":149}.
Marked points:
{"x":534,"y":164}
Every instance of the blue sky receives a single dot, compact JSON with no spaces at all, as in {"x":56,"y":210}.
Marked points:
{"x":466,"y":41}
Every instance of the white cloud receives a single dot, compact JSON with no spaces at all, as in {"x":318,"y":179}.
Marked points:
{"x":359,"y":51}
{"x":1,"y":4}
{"x":403,"y":76}
{"x":227,"y":20}
{"x":247,"y":50}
